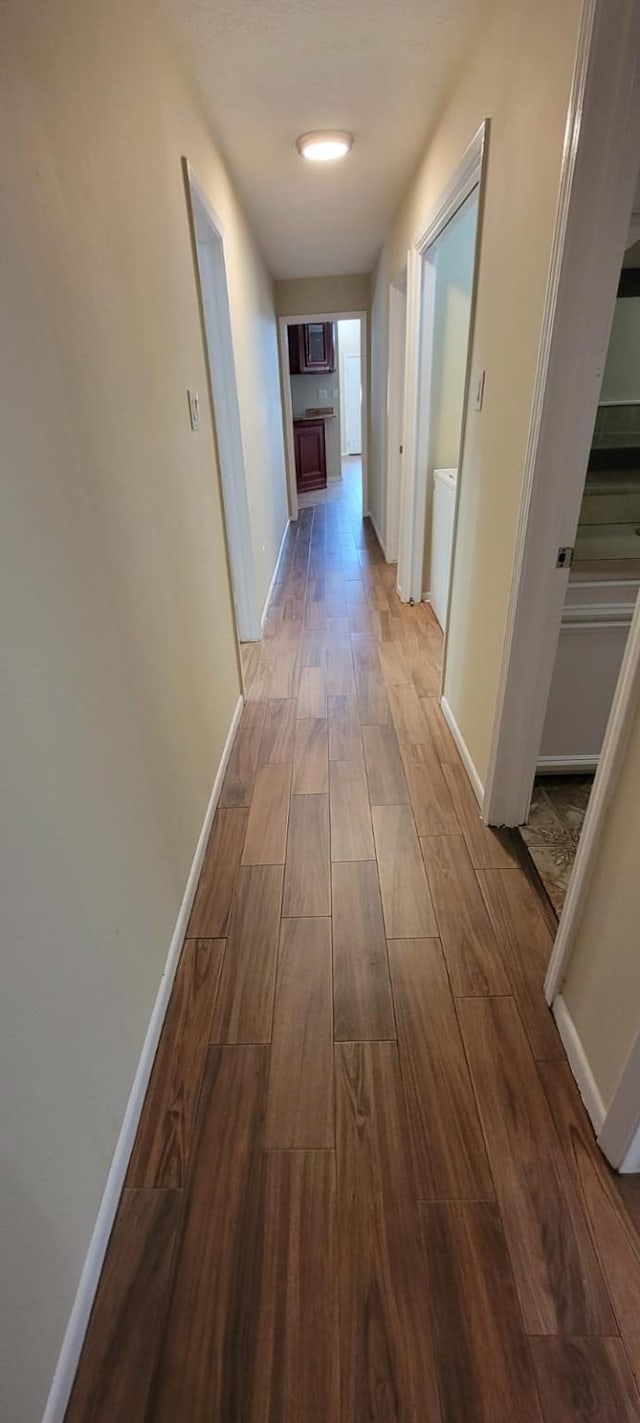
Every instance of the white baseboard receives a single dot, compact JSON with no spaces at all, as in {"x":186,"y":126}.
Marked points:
{"x":476,"y":783}
{"x":378,"y":534}
{"x":579,"y":1063}
{"x":67,"y":1364}
{"x":274,"y":576}
{"x":566,"y":765}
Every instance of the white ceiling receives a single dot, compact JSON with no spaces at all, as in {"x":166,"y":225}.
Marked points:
{"x":269,"y":70}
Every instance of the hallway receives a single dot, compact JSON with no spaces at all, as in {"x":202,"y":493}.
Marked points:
{"x":364,"y":1186}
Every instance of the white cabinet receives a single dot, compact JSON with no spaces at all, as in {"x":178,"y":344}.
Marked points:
{"x":593,"y":635}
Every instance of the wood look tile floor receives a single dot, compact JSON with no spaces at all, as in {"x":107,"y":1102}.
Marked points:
{"x":364,"y":1188}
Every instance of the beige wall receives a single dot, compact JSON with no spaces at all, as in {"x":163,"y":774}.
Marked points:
{"x":315,"y":296}
{"x":119,"y":669}
{"x":453,"y":262}
{"x":602,"y":987}
{"x":518,"y":74}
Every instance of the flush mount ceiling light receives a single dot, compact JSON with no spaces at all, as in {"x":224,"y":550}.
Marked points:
{"x":324,"y":146}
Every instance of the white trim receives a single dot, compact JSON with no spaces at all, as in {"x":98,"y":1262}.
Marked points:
{"x":274,"y":576}
{"x":597,"y":180}
{"x":211,"y":278}
{"x":579,"y":1063}
{"x":619,"y":1136}
{"x":419,"y":340}
{"x":395,"y":409}
{"x":287,"y":407}
{"x":621,"y":720}
{"x":567,"y":765}
{"x":67,"y":1364}
{"x":467,"y":761}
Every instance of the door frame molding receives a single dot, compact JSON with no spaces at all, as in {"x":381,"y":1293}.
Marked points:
{"x":287,"y":405}
{"x":225,"y":412}
{"x":597,"y":181}
{"x":467,"y":176}
{"x":396,"y":374}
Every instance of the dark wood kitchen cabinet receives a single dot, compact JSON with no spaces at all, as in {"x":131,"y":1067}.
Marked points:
{"x":312,"y":348}
{"x":311,"y":460}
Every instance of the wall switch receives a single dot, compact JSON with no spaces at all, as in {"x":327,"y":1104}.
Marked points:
{"x":322,"y":394}
{"x":194,"y":409}
{"x":480,"y":390}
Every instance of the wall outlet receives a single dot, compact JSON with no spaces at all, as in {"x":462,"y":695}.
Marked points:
{"x":194,"y":409}
{"x":322,"y":394}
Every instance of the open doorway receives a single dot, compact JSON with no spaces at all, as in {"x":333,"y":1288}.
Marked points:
{"x":441,"y":281}
{"x":600,"y":598}
{"x":324,"y":395}
{"x":213,"y":295}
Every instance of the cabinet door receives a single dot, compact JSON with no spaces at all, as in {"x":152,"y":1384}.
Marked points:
{"x":311,"y":469}
{"x":318,"y":346}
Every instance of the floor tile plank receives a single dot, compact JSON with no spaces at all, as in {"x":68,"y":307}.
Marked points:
{"x":163,"y":1142}
{"x":209,"y":918}
{"x":311,"y":757}
{"x":296,"y":1374}
{"x":559,"y":1282}
{"x":408,"y":717}
{"x":488,"y":848}
{"x":266,"y":838}
{"x":385,"y":772}
{"x":474,"y":961}
{"x":450,"y":1161}
{"x":617,"y":1238}
{"x":388,"y":1371}
{"x":485,"y":1373}
{"x":351,"y":831}
{"x":345,"y":735}
{"x":363,"y":1006}
{"x":117,"y":1360}
{"x":279,"y":730}
{"x":244,"y":1005}
{"x":406,"y":901}
{"x":205,"y":1368}
{"x":312,"y":696}
{"x":237,"y":786}
{"x":585,"y":1381}
{"x":428,"y":790}
{"x":307,"y":882}
{"x":300,"y":1097}
{"x":521,"y":930}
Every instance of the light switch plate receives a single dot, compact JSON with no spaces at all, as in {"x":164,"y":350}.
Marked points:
{"x":194,"y":409}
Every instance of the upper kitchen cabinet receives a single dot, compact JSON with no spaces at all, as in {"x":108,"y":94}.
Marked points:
{"x":312,"y":348}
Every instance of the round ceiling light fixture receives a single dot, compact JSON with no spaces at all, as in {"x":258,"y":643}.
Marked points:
{"x":325,"y":145}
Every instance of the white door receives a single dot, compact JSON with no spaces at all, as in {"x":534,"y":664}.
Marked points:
{"x":444,"y":509}
{"x":352,"y":399}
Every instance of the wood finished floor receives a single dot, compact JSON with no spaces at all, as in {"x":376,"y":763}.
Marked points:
{"x":364,"y":1188}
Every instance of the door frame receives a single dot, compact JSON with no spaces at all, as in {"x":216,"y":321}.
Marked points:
{"x":287,"y":405}
{"x":225,"y":408}
{"x":395,"y":409}
{"x":597,"y":182}
{"x":467,"y":176}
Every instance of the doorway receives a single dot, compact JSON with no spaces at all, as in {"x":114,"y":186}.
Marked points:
{"x":441,"y":282}
{"x":602,"y":590}
{"x":350,"y":388}
{"x":324,"y":376}
{"x":211,"y":277}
